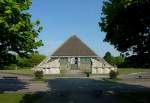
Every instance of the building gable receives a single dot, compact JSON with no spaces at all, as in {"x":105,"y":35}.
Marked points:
{"x":74,"y":47}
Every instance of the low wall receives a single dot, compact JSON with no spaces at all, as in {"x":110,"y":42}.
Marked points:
{"x":51,"y":71}
{"x":100,"y":70}
{"x":99,"y":67}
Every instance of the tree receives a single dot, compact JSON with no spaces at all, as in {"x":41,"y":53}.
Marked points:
{"x":118,"y":60}
{"x":108,"y":57}
{"x":127,"y":27}
{"x":30,"y":61}
{"x":17,"y":33}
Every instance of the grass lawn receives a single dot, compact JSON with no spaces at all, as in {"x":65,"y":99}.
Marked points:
{"x":28,"y":71}
{"x":10,"y":97}
{"x":20,"y":98}
{"x":111,"y":80}
{"x":19,"y":71}
{"x":132,"y":70}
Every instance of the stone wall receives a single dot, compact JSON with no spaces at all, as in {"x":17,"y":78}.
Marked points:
{"x":99,"y":67}
{"x":53,"y":67}
{"x":93,"y":65}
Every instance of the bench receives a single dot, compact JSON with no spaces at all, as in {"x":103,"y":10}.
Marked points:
{"x":10,"y":77}
{"x":143,"y":76}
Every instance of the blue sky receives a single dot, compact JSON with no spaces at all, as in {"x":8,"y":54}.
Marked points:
{"x":63,"y":18}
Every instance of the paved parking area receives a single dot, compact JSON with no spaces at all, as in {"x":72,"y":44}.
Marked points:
{"x":75,"y":90}
{"x":25,"y":83}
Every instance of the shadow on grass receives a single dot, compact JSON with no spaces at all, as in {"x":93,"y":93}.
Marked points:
{"x":32,"y":98}
{"x":135,"y":97}
{"x":11,"y":85}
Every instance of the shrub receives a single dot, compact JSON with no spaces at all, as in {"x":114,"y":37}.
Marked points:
{"x":113,"y":74}
{"x":38,"y":74}
{"x":87,"y":72}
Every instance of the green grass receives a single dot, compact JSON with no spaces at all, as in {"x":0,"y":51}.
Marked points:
{"x":10,"y":97}
{"x":44,"y":79}
{"x":18,"y":71}
{"x":28,"y":71}
{"x":132,"y":70}
{"x":20,"y":98}
{"x":62,"y":72}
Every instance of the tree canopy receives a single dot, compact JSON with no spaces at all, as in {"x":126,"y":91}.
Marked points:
{"x":32,"y":60}
{"x":127,"y":27}
{"x":18,"y":34}
{"x":118,"y":60}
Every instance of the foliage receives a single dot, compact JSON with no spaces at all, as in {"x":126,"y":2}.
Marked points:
{"x":87,"y":74}
{"x":87,"y":71}
{"x":17,"y":33}
{"x":62,"y":72}
{"x":38,"y":75}
{"x":118,"y":60}
{"x":9,"y":67}
{"x":113,"y":74}
{"x":127,"y":24}
{"x":30,"y":61}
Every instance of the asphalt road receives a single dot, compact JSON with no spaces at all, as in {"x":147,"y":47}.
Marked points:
{"x":74,"y":90}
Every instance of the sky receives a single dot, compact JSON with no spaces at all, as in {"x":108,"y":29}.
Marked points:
{"x":64,"y":18}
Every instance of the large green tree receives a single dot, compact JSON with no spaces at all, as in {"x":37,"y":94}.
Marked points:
{"x":18,"y":35}
{"x":127,"y":27}
{"x":32,"y":60}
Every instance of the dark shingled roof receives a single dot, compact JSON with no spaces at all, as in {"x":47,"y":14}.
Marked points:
{"x":74,"y":47}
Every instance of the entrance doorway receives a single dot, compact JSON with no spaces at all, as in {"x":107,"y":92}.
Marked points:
{"x":74,"y":63}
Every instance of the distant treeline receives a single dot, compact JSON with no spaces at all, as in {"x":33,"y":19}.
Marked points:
{"x":23,"y":62}
{"x":125,"y":62}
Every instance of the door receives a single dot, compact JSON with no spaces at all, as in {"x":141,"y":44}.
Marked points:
{"x":74,"y":63}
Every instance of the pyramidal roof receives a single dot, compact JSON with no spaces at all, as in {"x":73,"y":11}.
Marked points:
{"x":74,"y":47}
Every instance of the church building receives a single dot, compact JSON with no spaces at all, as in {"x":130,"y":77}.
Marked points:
{"x":74,"y":54}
